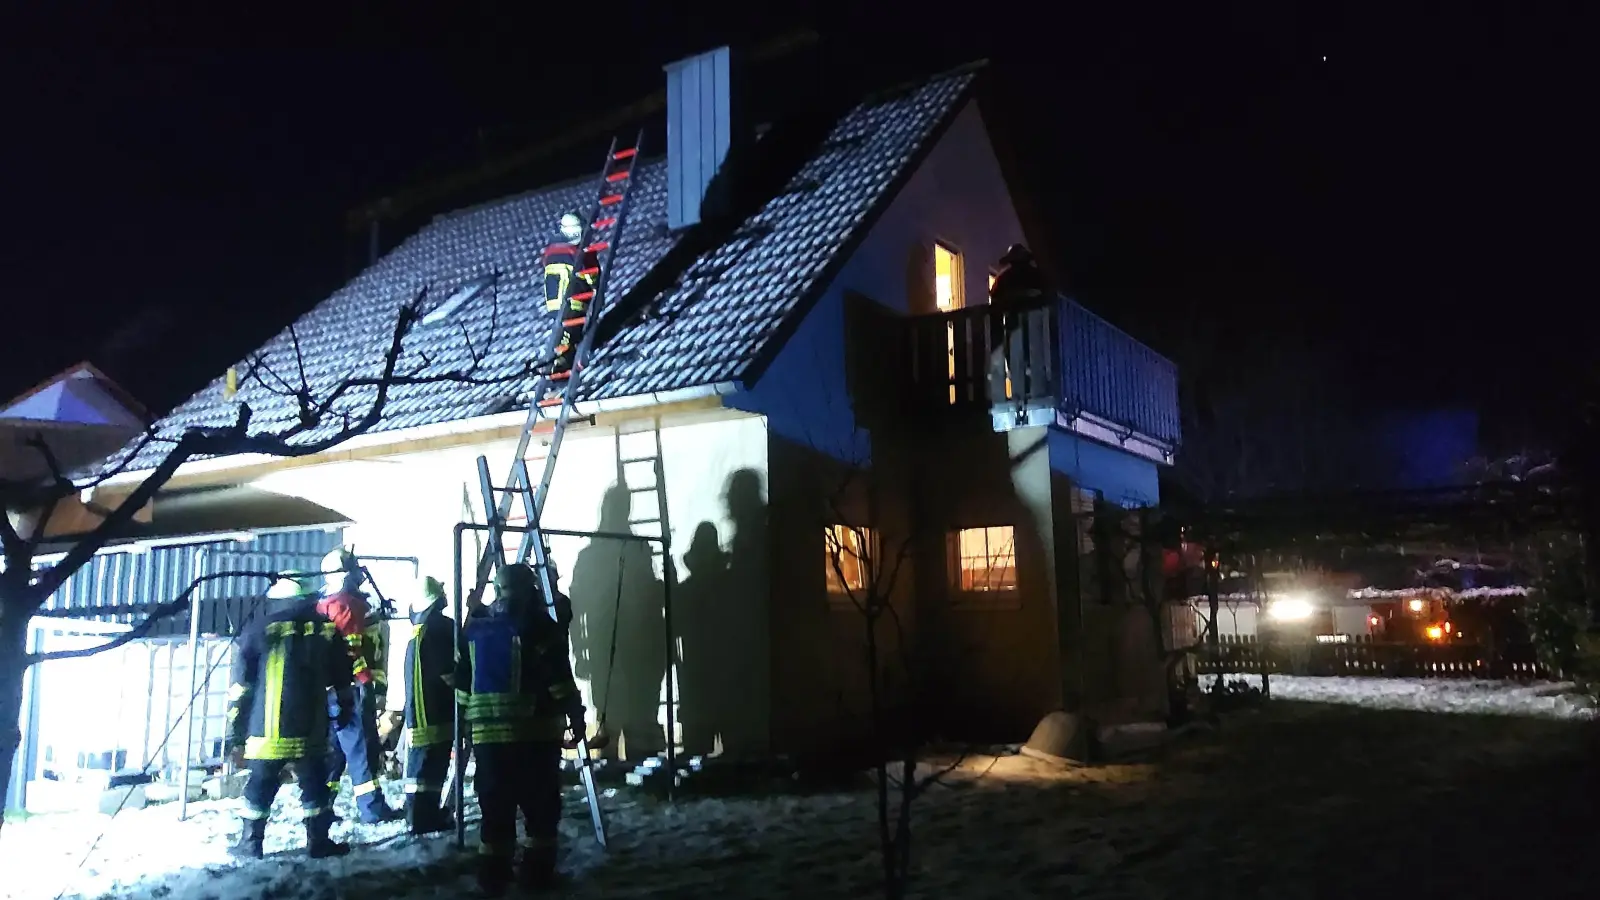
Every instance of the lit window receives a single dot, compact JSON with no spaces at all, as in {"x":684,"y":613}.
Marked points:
{"x":455,"y":301}
{"x":985,"y":559}
{"x":947,"y":294}
{"x":847,"y":555}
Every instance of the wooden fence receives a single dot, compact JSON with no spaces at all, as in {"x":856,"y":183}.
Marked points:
{"x":1361,"y":655}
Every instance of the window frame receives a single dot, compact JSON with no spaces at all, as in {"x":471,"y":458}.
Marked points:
{"x":839,"y":597}
{"x":1009,"y":597}
{"x":958,"y":276}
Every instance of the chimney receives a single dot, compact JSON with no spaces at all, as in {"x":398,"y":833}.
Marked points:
{"x":699,"y":130}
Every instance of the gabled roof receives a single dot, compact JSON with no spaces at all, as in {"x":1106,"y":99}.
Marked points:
{"x":718,"y":321}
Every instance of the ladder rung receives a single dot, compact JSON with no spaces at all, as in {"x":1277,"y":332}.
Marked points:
{"x":574,"y":323}
{"x":592,"y":270}
{"x":548,"y":402}
{"x":625,"y":154}
{"x":618,"y":176}
{"x":607,"y":222}
{"x":561,"y":376}
{"x":637,"y":459}
{"x":597,"y":247}
{"x":610,"y":199}
{"x":641,"y":490}
{"x":644,"y":521}
{"x":584,"y":297}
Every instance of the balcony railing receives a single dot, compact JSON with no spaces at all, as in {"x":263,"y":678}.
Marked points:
{"x":1059,"y":363}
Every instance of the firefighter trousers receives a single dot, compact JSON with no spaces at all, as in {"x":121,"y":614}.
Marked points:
{"x":355,"y":746}
{"x":513,"y":778}
{"x":576,"y":313}
{"x":425,"y":771}
{"x":266,"y":776}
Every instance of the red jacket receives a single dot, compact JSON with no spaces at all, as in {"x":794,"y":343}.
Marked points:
{"x":348,"y":612}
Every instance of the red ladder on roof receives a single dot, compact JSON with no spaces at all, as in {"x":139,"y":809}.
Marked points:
{"x":603,"y":225}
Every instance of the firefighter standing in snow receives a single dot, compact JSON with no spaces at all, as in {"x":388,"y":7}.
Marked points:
{"x":569,"y":288}
{"x":284,"y":667}
{"x":430,"y":708}
{"x":353,"y":743}
{"x":516,"y":685}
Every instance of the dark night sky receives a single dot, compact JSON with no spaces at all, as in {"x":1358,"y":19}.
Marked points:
{"x":1402,"y":209}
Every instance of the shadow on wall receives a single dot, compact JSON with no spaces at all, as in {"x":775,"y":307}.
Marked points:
{"x":718,"y":621}
{"x":618,"y":636}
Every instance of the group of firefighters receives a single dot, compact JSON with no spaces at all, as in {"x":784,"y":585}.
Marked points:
{"x":309,"y":676}
{"x":307,"y":687}
{"x":310,"y":679}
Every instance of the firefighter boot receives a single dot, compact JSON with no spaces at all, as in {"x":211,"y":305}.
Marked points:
{"x":318,"y":844}
{"x":249,"y":844}
{"x":538,"y":869}
{"x":374,"y":809}
{"x":494,"y":874}
{"x":424,"y":815}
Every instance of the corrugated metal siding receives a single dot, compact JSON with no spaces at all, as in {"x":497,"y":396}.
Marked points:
{"x":120,"y":583}
{"x":699,"y":128}
{"x":1109,"y":374}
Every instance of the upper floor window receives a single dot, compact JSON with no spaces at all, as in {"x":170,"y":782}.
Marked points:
{"x":985,"y":559}
{"x":947,"y":278}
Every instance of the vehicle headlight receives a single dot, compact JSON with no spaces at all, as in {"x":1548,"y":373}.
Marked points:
{"x":1291,"y":609}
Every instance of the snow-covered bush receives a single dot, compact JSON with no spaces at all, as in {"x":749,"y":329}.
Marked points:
{"x":1557,"y":613}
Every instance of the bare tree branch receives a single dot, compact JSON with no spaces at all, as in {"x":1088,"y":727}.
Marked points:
{"x":162,"y":611}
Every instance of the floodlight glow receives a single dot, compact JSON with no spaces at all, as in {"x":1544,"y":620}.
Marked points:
{"x":1291,"y":608}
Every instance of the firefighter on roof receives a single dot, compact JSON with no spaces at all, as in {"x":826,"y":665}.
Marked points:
{"x":515,"y":682}
{"x":284,"y":667}
{"x":353,"y":743}
{"x":430,"y":708}
{"x":569,"y":285}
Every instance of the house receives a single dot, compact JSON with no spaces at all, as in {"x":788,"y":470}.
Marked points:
{"x":797,"y":341}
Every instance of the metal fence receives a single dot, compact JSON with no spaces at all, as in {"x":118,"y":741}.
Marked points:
{"x":1361,"y":655}
{"x":119,"y":584}
{"x":1059,"y":356}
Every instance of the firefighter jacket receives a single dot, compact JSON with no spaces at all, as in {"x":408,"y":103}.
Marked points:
{"x":560,"y":268}
{"x":348,"y":611}
{"x":283,"y":668}
{"x":430,"y":659}
{"x":1020,"y":287}
{"x":515,"y":680}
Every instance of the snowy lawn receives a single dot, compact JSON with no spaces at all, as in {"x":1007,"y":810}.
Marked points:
{"x":1297,"y":800}
{"x":1445,"y":695}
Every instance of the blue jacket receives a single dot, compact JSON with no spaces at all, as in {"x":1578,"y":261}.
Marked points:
{"x":515,"y":680}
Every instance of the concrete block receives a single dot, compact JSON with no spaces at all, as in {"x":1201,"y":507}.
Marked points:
{"x":1060,"y":737}
{"x":121,"y":799}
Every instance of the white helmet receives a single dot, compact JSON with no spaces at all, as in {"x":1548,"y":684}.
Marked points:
{"x":340,"y":571}
{"x":571,"y":226}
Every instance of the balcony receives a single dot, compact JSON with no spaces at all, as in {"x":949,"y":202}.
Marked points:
{"x":1059,"y":364}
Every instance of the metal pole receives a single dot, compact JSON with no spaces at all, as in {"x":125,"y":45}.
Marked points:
{"x":458,"y":780}
{"x":194,"y":665}
{"x":666,"y":618}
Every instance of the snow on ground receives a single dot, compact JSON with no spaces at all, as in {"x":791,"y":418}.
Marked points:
{"x":1443,"y":695}
{"x":1281,"y":803}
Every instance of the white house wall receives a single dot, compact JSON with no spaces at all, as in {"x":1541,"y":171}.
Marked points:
{"x":407,"y":505}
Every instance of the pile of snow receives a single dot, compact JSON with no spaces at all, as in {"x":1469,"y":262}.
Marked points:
{"x":1557,"y":700}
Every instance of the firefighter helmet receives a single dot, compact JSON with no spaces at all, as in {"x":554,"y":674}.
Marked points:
{"x":1017,"y":253}
{"x":571,"y":225}
{"x":340,"y":572}
{"x":432,"y":588}
{"x":291,"y":587}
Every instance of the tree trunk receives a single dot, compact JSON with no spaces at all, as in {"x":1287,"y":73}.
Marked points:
{"x":13,"y":650}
